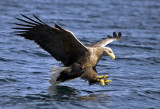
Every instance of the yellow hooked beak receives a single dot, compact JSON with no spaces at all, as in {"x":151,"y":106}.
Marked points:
{"x":112,"y":56}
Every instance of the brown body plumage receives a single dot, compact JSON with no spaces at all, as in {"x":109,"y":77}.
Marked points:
{"x":80,"y":60}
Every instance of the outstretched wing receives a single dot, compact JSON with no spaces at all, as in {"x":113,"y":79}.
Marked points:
{"x":60,"y":43}
{"x":104,"y":42}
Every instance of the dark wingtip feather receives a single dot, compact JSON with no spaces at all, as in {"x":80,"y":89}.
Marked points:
{"x":19,"y":33}
{"x":25,"y":21}
{"x":119,"y":34}
{"x":23,"y":25}
{"x":38,"y":19}
{"x":114,"y":35}
{"x":30,"y":19}
{"x":21,"y":28}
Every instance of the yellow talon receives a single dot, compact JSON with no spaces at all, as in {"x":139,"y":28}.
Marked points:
{"x":105,"y":76}
{"x":102,"y":82}
{"x":101,"y":77}
{"x":106,"y":80}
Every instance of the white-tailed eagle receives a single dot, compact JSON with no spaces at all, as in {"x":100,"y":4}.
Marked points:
{"x":79,"y":60}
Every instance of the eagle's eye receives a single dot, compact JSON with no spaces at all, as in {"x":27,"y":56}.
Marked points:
{"x":110,"y":51}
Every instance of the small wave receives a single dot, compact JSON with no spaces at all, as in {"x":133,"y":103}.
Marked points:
{"x":11,"y":79}
{"x":36,"y":72}
{"x":154,"y":59}
{"x":152,"y":92}
{"x":4,"y":59}
{"x":36,"y":97}
{"x":3,"y":80}
{"x":7,"y":80}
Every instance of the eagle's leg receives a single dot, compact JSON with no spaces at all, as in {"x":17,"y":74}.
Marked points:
{"x":91,"y":75}
{"x":103,"y":79}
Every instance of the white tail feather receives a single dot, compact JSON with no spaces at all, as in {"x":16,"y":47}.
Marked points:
{"x":56,"y":73}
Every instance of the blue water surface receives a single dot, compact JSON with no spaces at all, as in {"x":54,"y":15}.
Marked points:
{"x":135,"y":73}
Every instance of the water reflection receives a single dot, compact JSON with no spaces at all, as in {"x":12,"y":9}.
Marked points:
{"x":62,"y":93}
{"x":69,"y":93}
{"x":62,"y":90}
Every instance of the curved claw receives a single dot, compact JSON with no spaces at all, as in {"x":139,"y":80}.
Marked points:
{"x":107,"y":81}
{"x":101,"y":77}
{"x":103,"y":80}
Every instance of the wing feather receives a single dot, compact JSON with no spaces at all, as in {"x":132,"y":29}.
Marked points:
{"x":23,"y":25}
{"x":104,"y":42}
{"x":30,"y":19}
{"x":60,"y":43}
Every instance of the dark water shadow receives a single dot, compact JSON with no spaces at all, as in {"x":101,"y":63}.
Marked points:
{"x":63,"y":92}
{"x":69,"y":93}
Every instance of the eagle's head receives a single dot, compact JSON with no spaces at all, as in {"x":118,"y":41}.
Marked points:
{"x":108,"y":52}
